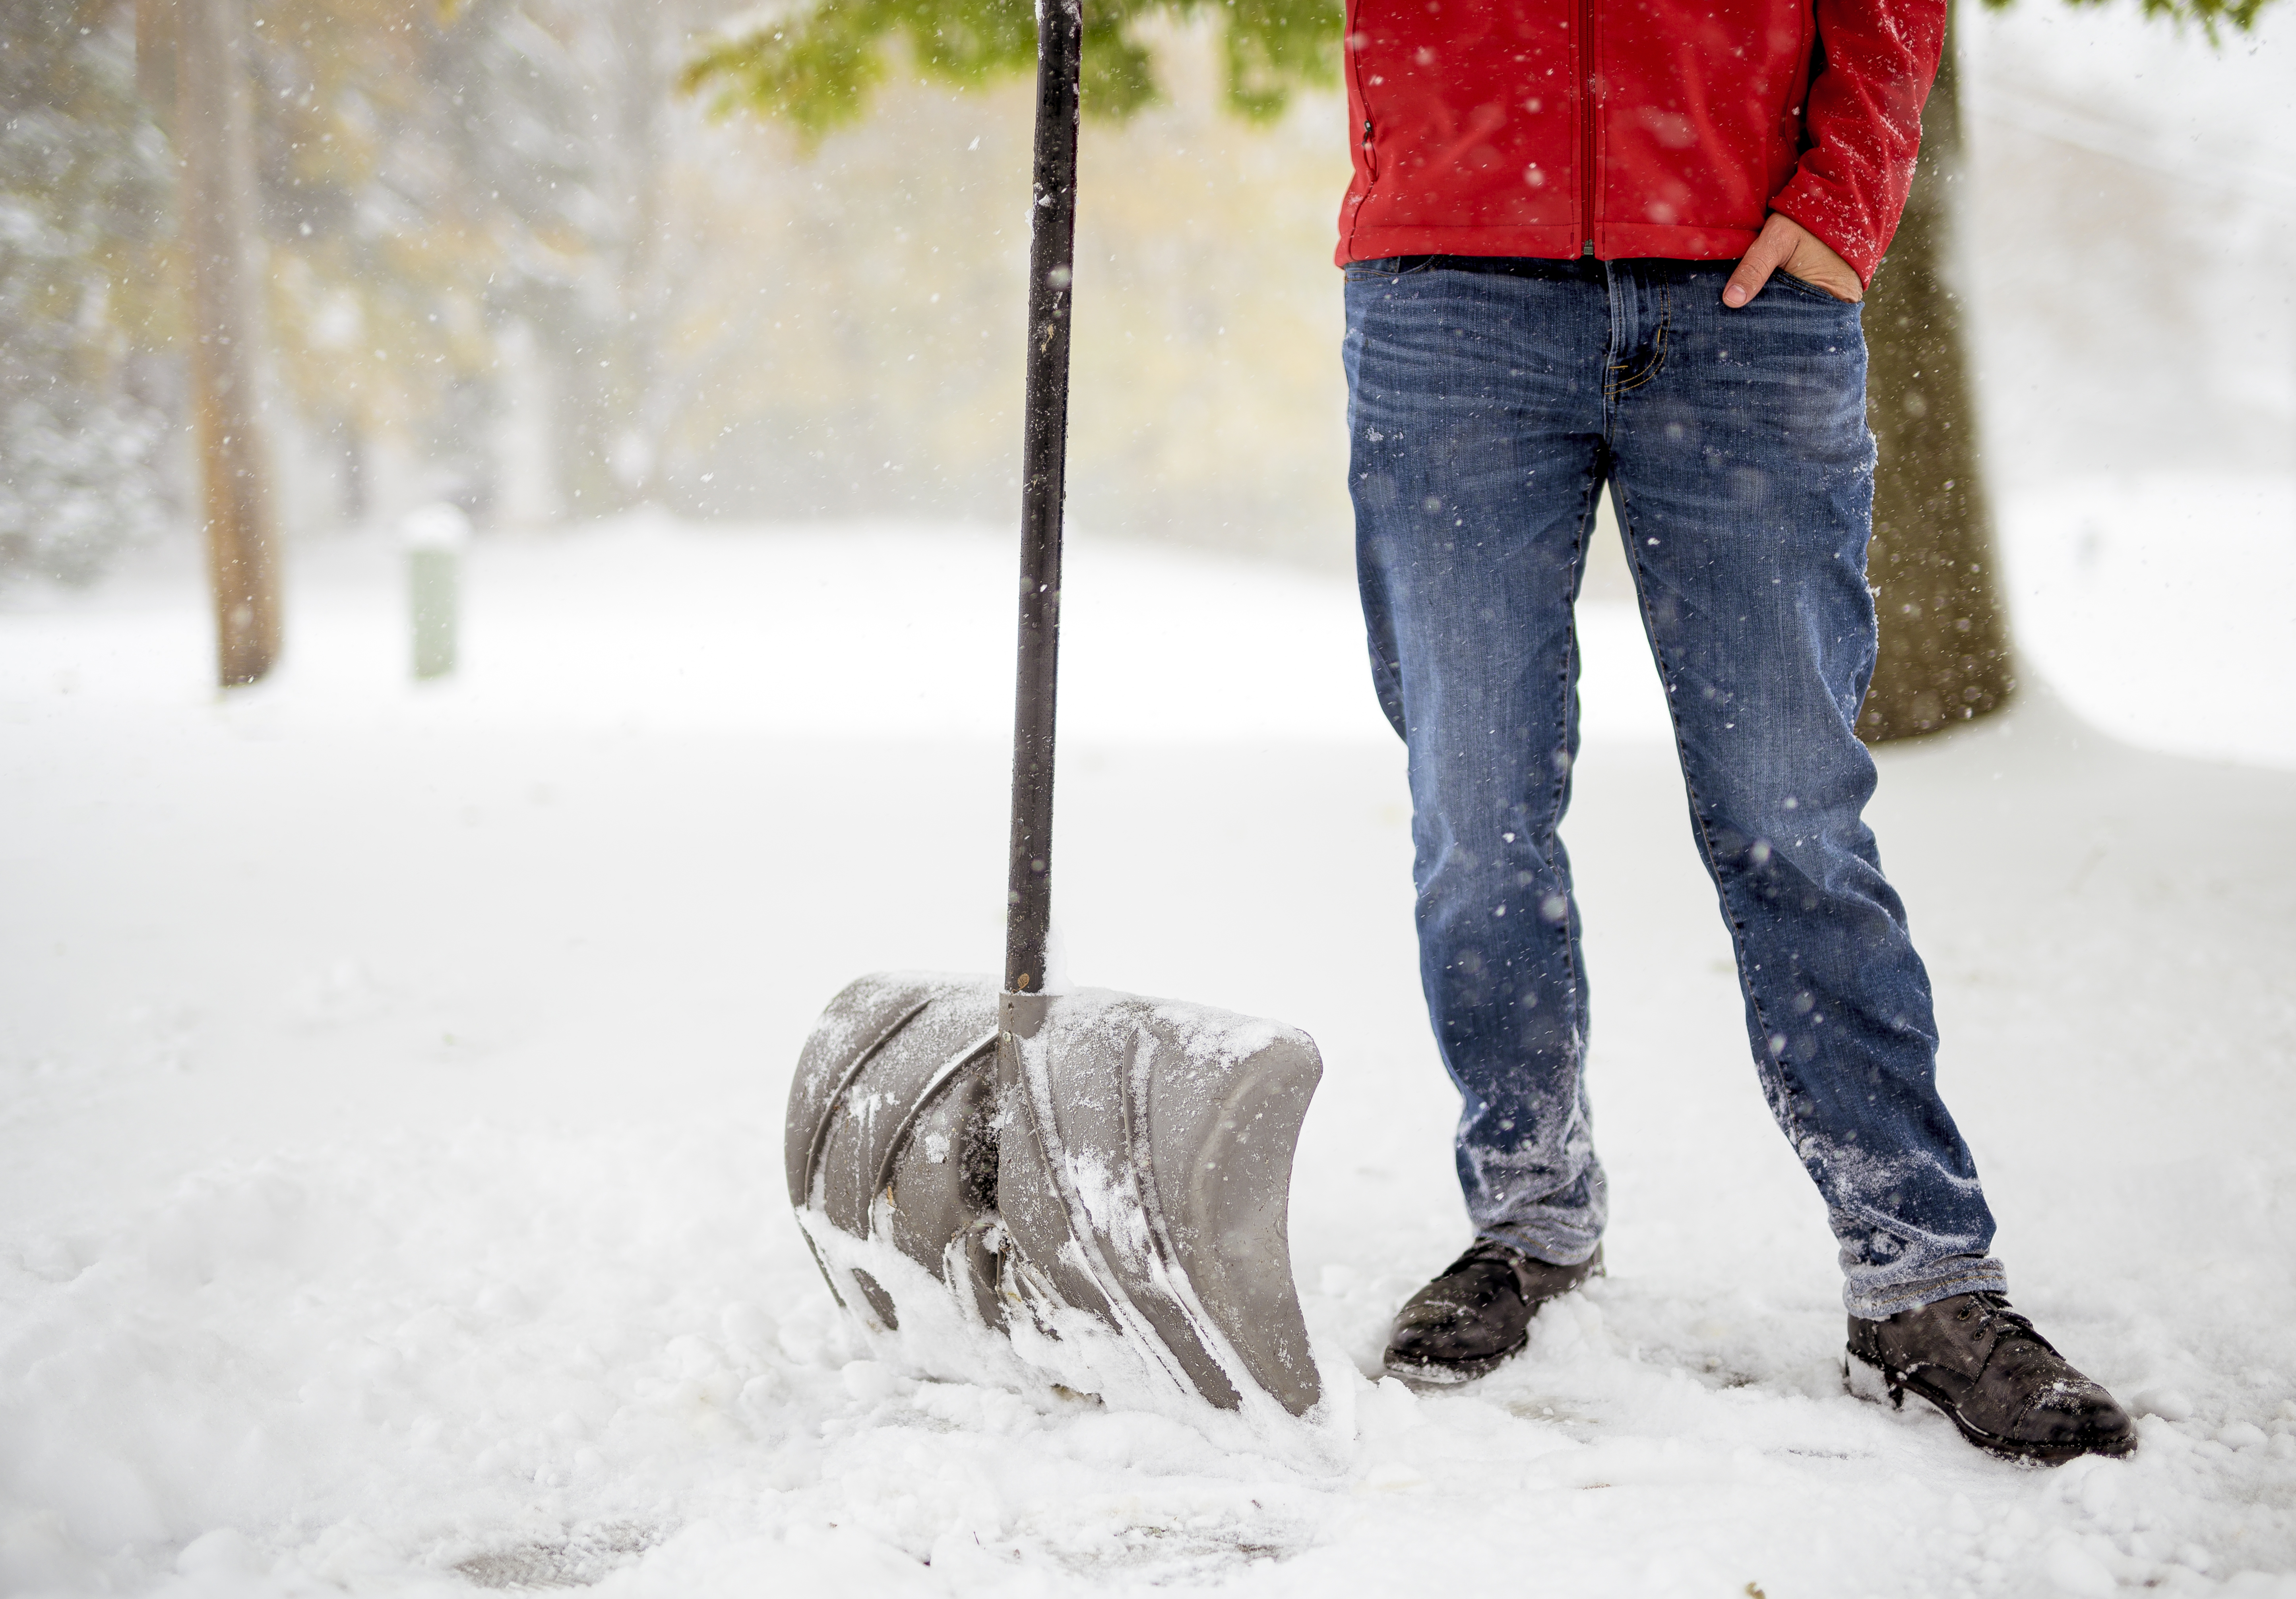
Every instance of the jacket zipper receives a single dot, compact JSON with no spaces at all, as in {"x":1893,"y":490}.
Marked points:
{"x":1586,"y":127}
{"x":1352,"y":21}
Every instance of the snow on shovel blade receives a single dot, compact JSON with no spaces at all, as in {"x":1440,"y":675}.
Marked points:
{"x":1091,"y":1187}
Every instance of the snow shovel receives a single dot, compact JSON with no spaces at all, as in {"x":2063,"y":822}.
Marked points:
{"x":1087,"y":1188}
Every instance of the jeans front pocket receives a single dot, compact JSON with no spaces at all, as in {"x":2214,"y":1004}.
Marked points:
{"x":1386,"y":268}
{"x":1805,"y":286}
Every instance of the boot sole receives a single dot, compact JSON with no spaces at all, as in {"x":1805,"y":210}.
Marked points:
{"x":1450,"y":1373}
{"x":1868,"y":1381}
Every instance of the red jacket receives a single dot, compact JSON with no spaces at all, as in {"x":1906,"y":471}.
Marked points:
{"x":1637,"y":128}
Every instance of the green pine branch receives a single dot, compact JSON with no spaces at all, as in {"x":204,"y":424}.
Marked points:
{"x":2211,"y":16}
{"x":815,"y":66}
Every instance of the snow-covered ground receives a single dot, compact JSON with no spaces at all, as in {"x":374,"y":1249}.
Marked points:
{"x":391,"y":1082}
{"x":2164,"y":609}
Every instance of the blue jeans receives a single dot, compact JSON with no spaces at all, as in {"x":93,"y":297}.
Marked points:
{"x":1489,"y":404}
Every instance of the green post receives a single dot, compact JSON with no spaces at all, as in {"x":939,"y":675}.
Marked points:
{"x":435,"y":535}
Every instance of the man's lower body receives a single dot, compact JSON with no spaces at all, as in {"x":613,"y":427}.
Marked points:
{"x":1490,"y":403}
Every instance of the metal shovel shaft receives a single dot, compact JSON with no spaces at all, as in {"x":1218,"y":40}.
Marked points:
{"x":1052,"y":250}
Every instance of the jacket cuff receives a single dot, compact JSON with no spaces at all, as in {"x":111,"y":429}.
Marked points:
{"x":1839,"y":224}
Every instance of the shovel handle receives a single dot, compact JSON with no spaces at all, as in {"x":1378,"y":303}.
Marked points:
{"x":1051,"y":252}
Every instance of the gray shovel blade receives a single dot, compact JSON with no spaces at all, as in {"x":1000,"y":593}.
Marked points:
{"x":1028,"y":1160}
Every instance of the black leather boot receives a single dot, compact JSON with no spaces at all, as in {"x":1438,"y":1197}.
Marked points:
{"x":2002,"y":1383}
{"x":1476,"y":1313}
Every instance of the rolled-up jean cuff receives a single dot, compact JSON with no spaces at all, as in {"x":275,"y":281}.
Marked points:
{"x":1556,"y":1246}
{"x":1954,"y":1275}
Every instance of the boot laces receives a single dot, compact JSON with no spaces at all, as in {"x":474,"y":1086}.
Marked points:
{"x":1994,"y":1314}
{"x":1500,"y":1254}
{"x":1488,"y":1249}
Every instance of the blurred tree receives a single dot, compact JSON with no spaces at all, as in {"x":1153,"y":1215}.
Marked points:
{"x":430,"y":172}
{"x":817,"y":66}
{"x":395,"y":258}
{"x":847,"y":347}
{"x":423,"y":174}
{"x":561,"y":112}
{"x":215,"y":142}
{"x":83,"y":177}
{"x":434,"y":171}
{"x":1945,"y":650}
{"x":371,"y":251}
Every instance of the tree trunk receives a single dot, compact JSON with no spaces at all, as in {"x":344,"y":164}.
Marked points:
{"x":213,"y":135}
{"x":1945,"y":655}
